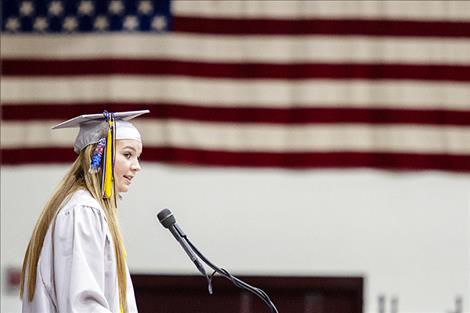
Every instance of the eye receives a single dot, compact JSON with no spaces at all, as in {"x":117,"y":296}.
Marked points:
{"x":127,"y":155}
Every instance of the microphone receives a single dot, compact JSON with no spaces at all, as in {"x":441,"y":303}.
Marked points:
{"x":167,"y":219}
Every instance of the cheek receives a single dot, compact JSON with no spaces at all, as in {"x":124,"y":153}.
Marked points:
{"x":120,"y":165}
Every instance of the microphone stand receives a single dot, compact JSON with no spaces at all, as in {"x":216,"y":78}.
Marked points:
{"x":236,"y":281}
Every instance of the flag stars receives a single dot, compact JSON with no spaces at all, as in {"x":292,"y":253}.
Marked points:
{"x":56,"y":8}
{"x":116,"y":7}
{"x":12,"y":24}
{"x":131,"y":22}
{"x":85,"y":16}
{"x":26,"y":8}
{"x":159,"y":23}
{"x":101,"y":23}
{"x":40,"y":24}
{"x":70,"y":23}
{"x":145,"y":7}
{"x":86,"y":8}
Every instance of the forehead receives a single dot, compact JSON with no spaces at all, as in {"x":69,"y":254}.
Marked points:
{"x":129,"y":143}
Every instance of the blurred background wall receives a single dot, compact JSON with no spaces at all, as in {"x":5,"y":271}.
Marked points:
{"x":289,"y":138}
{"x":407,"y":234}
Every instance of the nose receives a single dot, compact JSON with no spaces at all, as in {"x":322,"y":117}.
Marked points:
{"x":136,"y":166}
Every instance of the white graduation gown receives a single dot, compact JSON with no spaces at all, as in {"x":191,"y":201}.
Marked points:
{"x":77,"y":266}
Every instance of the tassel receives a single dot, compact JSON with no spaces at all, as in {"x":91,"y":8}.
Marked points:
{"x":109,"y":154}
{"x":97,"y":156}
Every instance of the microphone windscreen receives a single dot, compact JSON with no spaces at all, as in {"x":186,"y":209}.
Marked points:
{"x":166,"y":218}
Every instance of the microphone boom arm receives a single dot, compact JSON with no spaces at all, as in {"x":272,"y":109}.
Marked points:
{"x":167,"y":219}
{"x":235,"y":280}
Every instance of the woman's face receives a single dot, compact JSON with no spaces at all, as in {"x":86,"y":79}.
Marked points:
{"x":126,"y":163}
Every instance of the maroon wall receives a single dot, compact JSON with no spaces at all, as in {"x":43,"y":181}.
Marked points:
{"x":178,"y":294}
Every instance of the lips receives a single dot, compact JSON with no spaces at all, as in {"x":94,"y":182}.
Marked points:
{"x":128,"y":177}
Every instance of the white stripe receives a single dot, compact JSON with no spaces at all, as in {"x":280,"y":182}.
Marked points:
{"x":416,"y":10}
{"x":279,"y":49}
{"x":249,"y":93}
{"x":251,"y":137}
{"x":35,"y":134}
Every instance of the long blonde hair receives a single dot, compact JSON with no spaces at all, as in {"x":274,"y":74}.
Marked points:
{"x":78,"y":177}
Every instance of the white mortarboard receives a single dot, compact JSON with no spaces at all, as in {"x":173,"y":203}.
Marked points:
{"x":93,"y":127}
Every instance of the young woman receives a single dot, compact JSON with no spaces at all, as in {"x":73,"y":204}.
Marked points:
{"x":75,"y":260}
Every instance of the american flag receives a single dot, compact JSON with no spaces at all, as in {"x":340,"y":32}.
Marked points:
{"x":290,"y":84}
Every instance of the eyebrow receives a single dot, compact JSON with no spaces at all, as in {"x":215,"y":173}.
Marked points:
{"x":129,"y":147}
{"x":133,"y":149}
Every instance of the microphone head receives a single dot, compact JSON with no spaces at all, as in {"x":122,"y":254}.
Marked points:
{"x":166,"y":218}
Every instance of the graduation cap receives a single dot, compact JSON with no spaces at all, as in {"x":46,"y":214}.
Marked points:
{"x":103,"y":128}
{"x":94,"y":126}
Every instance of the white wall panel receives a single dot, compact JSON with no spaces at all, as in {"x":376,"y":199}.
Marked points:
{"x":407,"y":233}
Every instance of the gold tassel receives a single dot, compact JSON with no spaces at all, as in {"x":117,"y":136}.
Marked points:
{"x":108,"y":168}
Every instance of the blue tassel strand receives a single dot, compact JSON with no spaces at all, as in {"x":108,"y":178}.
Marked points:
{"x":97,"y":156}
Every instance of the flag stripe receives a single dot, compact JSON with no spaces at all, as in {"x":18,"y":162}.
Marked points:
{"x":252,"y":49}
{"x":262,"y":137}
{"x":227,"y":92}
{"x":380,"y":160}
{"x":294,"y":9}
{"x":331,"y":27}
{"x":314,"y":159}
{"x":317,"y":115}
{"x":18,"y":67}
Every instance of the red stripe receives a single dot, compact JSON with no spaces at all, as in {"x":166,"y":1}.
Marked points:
{"x":20,"y":67}
{"x":49,"y":155}
{"x":397,"y":161}
{"x":294,"y":115}
{"x":337,"y":27}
